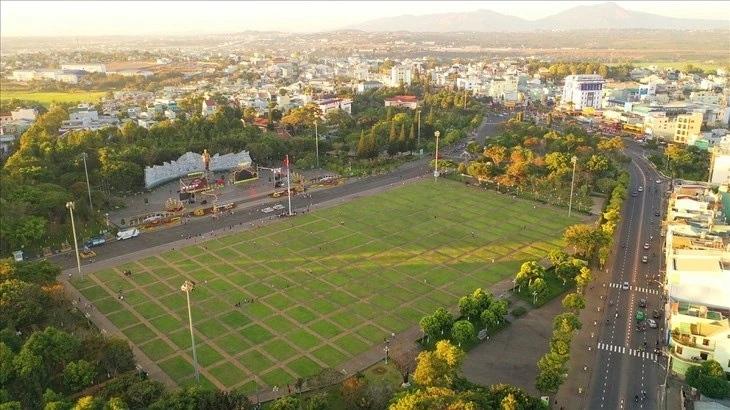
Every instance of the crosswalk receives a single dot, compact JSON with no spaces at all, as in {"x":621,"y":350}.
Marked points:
{"x":631,"y":352}
{"x":637,"y":289}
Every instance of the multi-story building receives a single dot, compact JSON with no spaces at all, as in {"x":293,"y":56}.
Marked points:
{"x":209,"y":107}
{"x":408,"y":101}
{"x":583,"y":91}
{"x":500,"y":87}
{"x":331,"y":104}
{"x":686,"y":126}
{"x":697,"y":322}
{"x":400,"y":74}
{"x":88,"y":67}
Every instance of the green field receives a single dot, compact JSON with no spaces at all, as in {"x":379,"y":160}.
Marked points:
{"x":47,"y":98}
{"x":680,"y":65}
{"x":329,"y":285}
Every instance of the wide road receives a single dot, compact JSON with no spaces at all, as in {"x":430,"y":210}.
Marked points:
{"x":241,"y":215}
{"x":626,"y":363}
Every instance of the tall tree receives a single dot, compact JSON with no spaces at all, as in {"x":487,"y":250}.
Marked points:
{"x":402,"y":142}
{"x":362,"y":145}
{"x":462,"y":331}
{"x":439,"y":368}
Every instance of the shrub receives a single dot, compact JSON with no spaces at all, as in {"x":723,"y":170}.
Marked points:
{"x":518,"y":311}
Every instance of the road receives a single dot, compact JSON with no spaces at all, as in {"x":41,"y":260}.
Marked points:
{"x":626,"y":364}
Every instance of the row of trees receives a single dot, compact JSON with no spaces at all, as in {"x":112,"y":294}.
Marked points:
{"x":479,"y":309}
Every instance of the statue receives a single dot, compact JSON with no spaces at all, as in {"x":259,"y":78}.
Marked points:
{"x":206,"y":159}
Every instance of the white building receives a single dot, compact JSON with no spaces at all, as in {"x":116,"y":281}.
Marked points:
{"x":331,"y":104}
{"x":583,"y":91}
{"x":88,"y":67}
{"x":398,"y":74}
{"x":209,"y":107}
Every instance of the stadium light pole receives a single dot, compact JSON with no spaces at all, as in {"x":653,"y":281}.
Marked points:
{"x":188,"y":287}
{"x":316,"y":142}
{"x":436,"y":164}
{"x":418,"y":144}
{"x":70,"y":205}
{"x":574,"y":160}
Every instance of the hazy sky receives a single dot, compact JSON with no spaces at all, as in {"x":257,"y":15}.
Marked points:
{"x":78,"y":18}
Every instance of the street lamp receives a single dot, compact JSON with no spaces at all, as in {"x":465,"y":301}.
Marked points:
{"x":188,"y":287}
{"x":436,"y":170}
{"x":88,"y":187}
{"x":386,"y":354}
{"x":534,"y":301}
{"x":419,"y":129}
{"x":316,"y":142}
{"x":574,"y":160}
{"x":71,"y":206}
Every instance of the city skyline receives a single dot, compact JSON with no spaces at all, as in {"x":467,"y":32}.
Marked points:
{"x":79,"y":18}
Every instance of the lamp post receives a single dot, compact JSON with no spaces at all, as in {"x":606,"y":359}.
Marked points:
{"x":436,"y":170}
{"x":534,"y":301}
{"x":316,"y":142}
{"x":386,"y":354}
{"x":188,"y":287}
{"x":574,"y":160}
{"x":418,"y":144}
{"x":88,"y":187}
{"x":106,"y":216}
{"x":71,"y":206}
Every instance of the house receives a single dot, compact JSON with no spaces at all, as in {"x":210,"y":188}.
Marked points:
{"x":368,"y":85}
{"x":209,"y":107}
{"x":5,"y":117}
{"x":331,"y":104}
{"x":408,"y":101}
{"x":24,"y":114}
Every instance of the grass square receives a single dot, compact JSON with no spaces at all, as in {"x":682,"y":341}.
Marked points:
{"x":228,"y":374}
{"x":207,"y":356}
{"x":139,"y":334}
{"x":167,"y":324}
{"x":351,"y":344}
{"x":108,"y":305}
{"x":214,"y":306}
{"x":323,"y":306}
{"x":123,"y":319}
{"x":256,"y":334}
{"x":325,"y":329}
{"x":301,"y":314}
{"x":174,"y":301}
{"x":278,"y":377}
{"x":211,"y":328}
{"x":257,"y":310}
{"x":304,"y":367}
{"x":304,"y":339}
{"x":232,"y":344}
{"x":372,"y":333}
{"x":280,"y":349}
{"x":158,"y":290}
{"x":94,"y":293}
{"x":279,"y":324}
{"x":143,"y":278}
{"x":149,"y":310}
{"x":330,"y":355}
{"x":346,"y":319}
{"x":279,"y":301}
{"x":235,"y":319}
{"x":181,"y":338}
{"x":177,"y":368}
{"x":157,"y":350}
{"x":255,"y":361}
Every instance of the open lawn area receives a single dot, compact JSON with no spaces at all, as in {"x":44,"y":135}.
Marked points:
{"x":47,"y":98}
{"x":328,"y":285}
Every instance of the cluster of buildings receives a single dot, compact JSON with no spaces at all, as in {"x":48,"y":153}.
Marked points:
{"x":697,"y":255}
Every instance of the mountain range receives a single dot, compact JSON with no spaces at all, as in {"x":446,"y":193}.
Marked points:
{"x":605,"y":16}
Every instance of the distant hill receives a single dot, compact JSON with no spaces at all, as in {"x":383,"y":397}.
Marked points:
{"x":600,"y":16}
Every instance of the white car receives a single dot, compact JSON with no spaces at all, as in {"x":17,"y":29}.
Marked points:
{"x":625,"y":286}
{"x":658,"y":181}
{"x":267,"y":210}
{"x":641,"y":189}
{"x":646,"y":245}
{"x":278,"y":207}
{"x":652,"y":323}
{"x":645,"y":259}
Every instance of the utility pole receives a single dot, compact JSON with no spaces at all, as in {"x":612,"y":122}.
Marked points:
{"x":88,"y":187}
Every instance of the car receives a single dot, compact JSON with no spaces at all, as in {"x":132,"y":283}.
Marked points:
{"x":657,"y":213}
{"x":658,"y":181}
{"x":645,"y":259}
{"x":639,"y":315}
{"x":625,"y":286}
{"x":646,"y":245}
{"x":634,"y":194}
{"x":267,"y":210}
{"x":656,"y":314}
{"x":641,"y":189}
{"x":642,"y":303}
{"x":651,"y":323}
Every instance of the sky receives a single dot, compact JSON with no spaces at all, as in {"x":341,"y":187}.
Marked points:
{"x":85,"y":18}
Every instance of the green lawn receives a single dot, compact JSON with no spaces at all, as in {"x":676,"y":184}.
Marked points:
{"x":47,"y":98}
{"x":385,"y":262}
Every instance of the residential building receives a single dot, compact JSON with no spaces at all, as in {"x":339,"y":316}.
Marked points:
{"x":705,"y":97}
{"x":5,"y":117}
{"x":209,"y":107}
{"x":331,"y":104}
{"x":499,"y":87}
{"x":368,"y":85}
{"x":687,"y":125}
{"x":408,"y":101}
{"x":658,"y":125}
{"x":583,"y":91}
{"x":28,"y":114}
{"x":697,"y":320}
{"x":400,"y":74}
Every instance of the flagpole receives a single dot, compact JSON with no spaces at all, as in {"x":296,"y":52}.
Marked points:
{"x":288,"y":183}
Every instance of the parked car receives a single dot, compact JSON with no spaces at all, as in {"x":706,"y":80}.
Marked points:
{"x":657,"y":213}
{"x":129,"y":233}
{"x":642,"y":303}
{"x":95,"y":242}
{"x":652,"y":323}
{"x":656,"y":314}
{"x":639,"y":315}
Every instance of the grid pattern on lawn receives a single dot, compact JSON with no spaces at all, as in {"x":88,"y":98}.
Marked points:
{"x":327,"y":285}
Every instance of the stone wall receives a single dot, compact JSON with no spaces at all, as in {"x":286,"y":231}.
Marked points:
{"x":191,"y":162}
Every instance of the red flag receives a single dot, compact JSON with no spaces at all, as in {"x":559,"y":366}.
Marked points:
{"x":286,"y":161}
